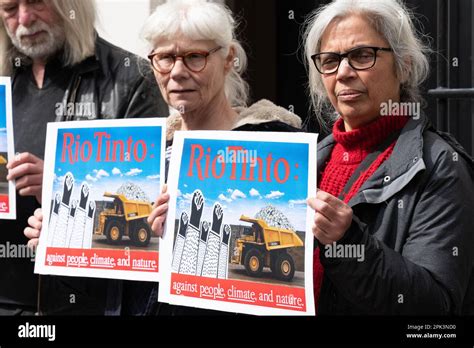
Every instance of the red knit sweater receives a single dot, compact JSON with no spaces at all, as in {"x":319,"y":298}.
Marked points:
{"x":350,"y":150}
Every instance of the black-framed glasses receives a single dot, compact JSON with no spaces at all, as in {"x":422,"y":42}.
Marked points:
{"x":359,"y":58}
{"x":195,"y":61}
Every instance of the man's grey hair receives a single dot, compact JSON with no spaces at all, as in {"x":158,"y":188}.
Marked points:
{"x":77,"y":20}
{"x":394,"y":21}
{"x":202,"y":20}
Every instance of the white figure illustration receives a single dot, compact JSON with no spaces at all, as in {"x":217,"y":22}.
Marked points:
{"x":202,"y":246}
{"x":211,"y":257}
{"x":223,"y":268}
{"x":188,"y":264}
{"x":70,"y":222}
{"x":53,"y":218}
{"x":89,"y":227}
{"x":179,"y":242}
{"x":60,"y":230}
{"x":77,"y":236}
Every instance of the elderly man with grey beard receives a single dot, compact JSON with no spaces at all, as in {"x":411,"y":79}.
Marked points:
{"x":61,"y":71}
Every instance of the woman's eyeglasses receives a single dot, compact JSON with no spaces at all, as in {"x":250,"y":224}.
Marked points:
{"x":360,"y":58}
{"x":194,"y":61}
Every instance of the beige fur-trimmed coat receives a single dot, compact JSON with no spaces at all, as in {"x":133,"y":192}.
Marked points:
{"x":263,"y":115}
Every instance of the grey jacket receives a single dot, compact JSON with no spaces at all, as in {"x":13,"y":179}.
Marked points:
{"x":414,"y":218}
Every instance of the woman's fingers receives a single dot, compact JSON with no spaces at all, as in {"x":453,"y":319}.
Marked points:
{"x":31,"y":233}
{"x":162,"y":198}
{"x":332,"y":217}
{"x":33,"y":243}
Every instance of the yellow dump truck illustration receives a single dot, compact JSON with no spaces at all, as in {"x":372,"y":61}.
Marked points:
{"x":126,"y":218}
{"x":266,"y":246}
{"x":3,"y":160}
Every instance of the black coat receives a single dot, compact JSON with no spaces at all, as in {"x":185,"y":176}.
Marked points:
{"x":120,"y":85}
{"x":414,"y":218}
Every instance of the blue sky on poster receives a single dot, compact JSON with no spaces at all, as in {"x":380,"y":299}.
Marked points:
{"x":247,"y":196}
{"x":106,"y":174}
{"x":3,"y":109}
{"x":3,"y":120}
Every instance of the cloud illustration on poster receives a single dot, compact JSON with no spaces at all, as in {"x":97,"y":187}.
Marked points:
{"x":58,"y":179}
{"x":254,"y":193}
{"x":187,"y":196}
{"x":224,"y":198}
{"x":90,"y":178}
{"x":237,"y":194}
{"x":274,"y":195}
{"x":96,"y":175}
{"x":153,"y":177}
{"x":99,"y":174}
{"x":234,"y":195}
{"x":293,"y":202}
{"x":116,"y":171}
{"x":134,"y":172}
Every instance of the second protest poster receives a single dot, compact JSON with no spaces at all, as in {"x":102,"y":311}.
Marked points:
{"x":100,"y":181}
{"x":7,"y":188}
{"x":238,"y":235}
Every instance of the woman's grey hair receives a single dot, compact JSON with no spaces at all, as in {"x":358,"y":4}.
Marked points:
{"x":77,"y":20}
{"x":202,"y":20}
{"x":390,"y":18}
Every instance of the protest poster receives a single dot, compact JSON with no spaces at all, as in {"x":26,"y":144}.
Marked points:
{"x":238,"y":232}
{"x":100,"y":181}
{"x":7,"y":188}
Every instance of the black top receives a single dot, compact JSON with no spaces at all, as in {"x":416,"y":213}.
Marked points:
{"x":34,"y":107}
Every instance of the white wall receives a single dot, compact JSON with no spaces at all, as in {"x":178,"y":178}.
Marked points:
{"x":120,"y":22}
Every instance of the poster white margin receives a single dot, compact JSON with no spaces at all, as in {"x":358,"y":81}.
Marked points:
{"x":47,"y":194}
{"x":166,"y":249}
{"x":6,"y":81}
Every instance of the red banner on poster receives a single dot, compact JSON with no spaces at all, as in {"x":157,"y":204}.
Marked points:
{"x":4,"y":204}
{"x":238,"y":291}
{"x":124,"y":260}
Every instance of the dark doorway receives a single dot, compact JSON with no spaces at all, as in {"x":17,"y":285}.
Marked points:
{"x":271,"y":30}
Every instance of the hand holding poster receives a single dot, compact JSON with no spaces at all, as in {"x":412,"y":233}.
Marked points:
{"x":7,"y":188}
{"x":101,"y":178}
{"x":238,"y":235}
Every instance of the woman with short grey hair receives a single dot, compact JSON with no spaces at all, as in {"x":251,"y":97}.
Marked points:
{"x":198,"y":64}
{"x":393,"y":213}
{"x":209,"y":22}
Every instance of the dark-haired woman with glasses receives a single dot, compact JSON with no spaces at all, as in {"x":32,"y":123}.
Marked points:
{"x":394,"y":211}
